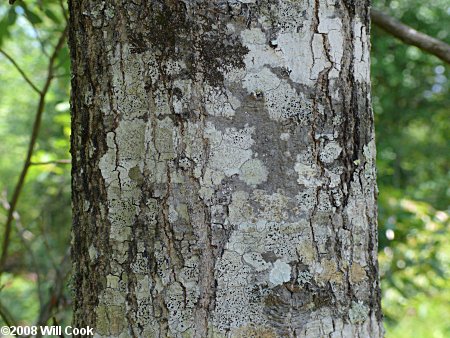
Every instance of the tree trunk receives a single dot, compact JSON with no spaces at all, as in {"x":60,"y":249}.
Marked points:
{"x":223,"y":169}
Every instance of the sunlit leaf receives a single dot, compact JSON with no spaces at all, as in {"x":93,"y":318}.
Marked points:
{"x":31,"y":15}
{"x":6,"y":22}
{"x":52,"y":16}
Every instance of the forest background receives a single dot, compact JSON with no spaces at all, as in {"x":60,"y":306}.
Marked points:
{"x":411,"y":102}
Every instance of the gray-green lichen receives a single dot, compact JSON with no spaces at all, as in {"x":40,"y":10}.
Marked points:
{"x":358,"y":313}
{"x":253,"y":172}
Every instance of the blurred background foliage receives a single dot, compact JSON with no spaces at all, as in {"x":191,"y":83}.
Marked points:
{"x":37,"y":264}
{"x":411,"y":106}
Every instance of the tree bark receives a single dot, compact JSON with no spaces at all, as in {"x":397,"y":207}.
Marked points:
{"x":223,"y":169}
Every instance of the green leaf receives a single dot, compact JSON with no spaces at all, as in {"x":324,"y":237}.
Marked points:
{"x":12,"y":16}
{"x":6,"y":22}
{"x":31,"y":16}
{"x":52,"y":16}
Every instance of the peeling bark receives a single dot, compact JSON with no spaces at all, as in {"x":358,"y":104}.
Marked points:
{"x":223,"y":169}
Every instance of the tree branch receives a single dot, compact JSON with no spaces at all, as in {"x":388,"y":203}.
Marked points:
{"x":411,"y":36}
{"x":25,"y":77}
{"x":52,"y":162}
{"x":6,"y":316}
{"x":31,"y":145}
{"x":21,"y":231}
{"x":57,"y":292}
{"x":63,"y":10}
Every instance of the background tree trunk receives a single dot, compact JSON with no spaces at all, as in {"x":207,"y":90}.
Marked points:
{"x":223,"y":169}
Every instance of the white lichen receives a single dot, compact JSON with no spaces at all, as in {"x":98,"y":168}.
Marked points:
{"x":361,"y":54}
{"x":369,"y":151}
{"x":330,"y":152}
{"x":93,"y":253}
{"x":220,"y":102}
{"x":307,"y":174}
{"x":285,"y":136}
{"x":229,"y":150}
{"x":280,"y":273}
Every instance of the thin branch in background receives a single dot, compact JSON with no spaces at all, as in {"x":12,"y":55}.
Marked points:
{"x":25,"y":77}
{"x":62,"y":271}
{"x":46,"y":243}
{"x":63,"y":10}
{"x":6,"y":316}
{"x":45,"y":239}
{"x":55,"y":323}
{"x":25,"y":242}
{"x":61,"y":75}
{"x":31,"y":145}
{"x":52,"y":162}
{"x":57,"y":291}
{"x":411,"y":36}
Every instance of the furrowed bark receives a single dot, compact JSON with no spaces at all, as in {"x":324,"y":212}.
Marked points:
{"x":223,"y":169}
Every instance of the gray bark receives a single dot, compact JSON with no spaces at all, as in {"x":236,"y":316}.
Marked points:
{"x":223,"y":169}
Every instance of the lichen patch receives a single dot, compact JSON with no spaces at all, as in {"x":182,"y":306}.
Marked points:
{"x":357,"y":273}
{"x":330,"y":152}
{"x":307,"y":175}
{"x":280,"y":273}
{"x":358,"y":313}
{"x":253,"y":172}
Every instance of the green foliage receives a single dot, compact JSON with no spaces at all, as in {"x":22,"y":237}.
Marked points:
{"x":28,"y":33}
{"x":20,"y":287}
{"x":8,"y":19}
{"x":410,"y":99}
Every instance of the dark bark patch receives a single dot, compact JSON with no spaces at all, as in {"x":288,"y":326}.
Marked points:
{"x":168,"y":30}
